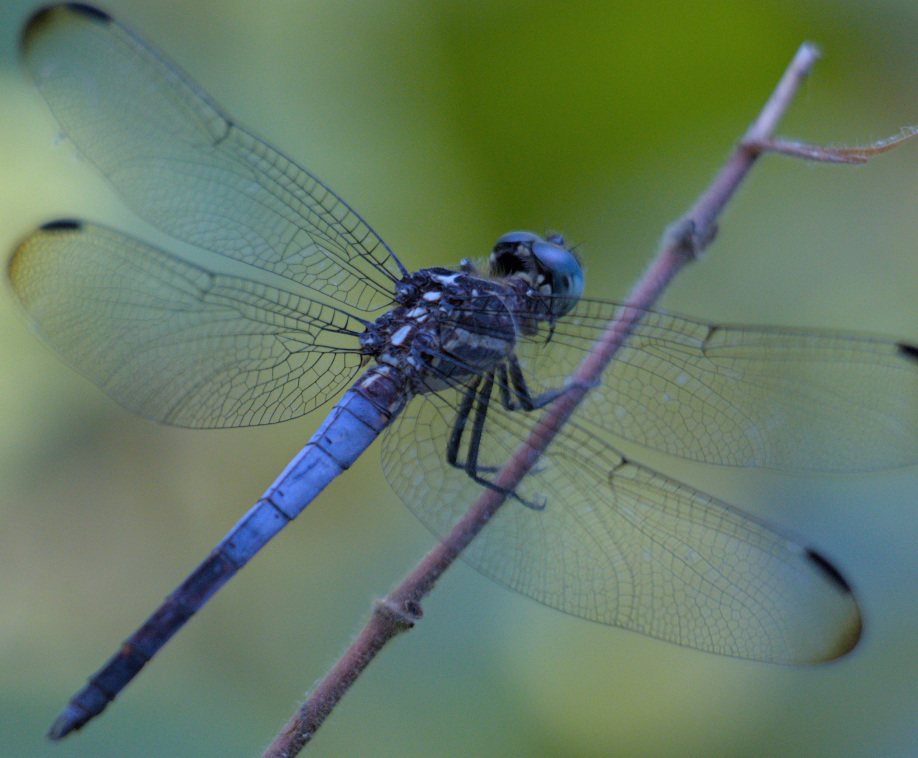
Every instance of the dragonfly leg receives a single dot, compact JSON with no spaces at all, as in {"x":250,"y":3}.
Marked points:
{"x":524,"y":400}
{"x":481,"y":412}
{"x":462,"y":415}
{"x":470,"y":466}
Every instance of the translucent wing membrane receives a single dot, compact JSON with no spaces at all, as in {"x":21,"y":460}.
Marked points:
{"x":621,"y":544}
{"x":617,"y":543}
{"x":178,"y":342}
{"x":183,"y":165}
{"x":743,"y":396}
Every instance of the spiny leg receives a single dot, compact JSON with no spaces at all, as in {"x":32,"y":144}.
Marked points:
{"x":470,"y":466}
{"x":481,"y":412}
{"x":462,"y":415}
{"x":524,"y":400}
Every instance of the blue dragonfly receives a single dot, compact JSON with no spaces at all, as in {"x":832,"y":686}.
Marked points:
{"x":273,"y":295}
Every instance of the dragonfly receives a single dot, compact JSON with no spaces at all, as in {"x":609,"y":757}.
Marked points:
{"x":270,"y":296}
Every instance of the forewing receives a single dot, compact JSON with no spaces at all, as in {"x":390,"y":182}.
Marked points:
{"x":183,"y":165}
{"x":179,"y":342}
{"x":742,"y":396}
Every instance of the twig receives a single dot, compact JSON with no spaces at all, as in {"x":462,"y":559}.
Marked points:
{"x":682,"y":244}
{"x":841,"y":154}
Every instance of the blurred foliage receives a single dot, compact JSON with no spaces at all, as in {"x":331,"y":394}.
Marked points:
{"x":446,"y":124}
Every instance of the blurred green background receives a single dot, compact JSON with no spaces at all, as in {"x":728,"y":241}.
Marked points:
{"x":446,"y":124}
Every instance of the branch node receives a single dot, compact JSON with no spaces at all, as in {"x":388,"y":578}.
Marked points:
{"x":687,"y":240}
{"x":398,"y":616}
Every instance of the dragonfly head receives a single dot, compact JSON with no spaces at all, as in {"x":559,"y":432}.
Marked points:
{"x":546,"y":264}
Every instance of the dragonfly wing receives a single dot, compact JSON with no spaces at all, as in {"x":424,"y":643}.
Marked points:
{"x":742,"y":396}
{"x":187,"y":168}
{"x":179,"y":342}
{"x":622,"y":545}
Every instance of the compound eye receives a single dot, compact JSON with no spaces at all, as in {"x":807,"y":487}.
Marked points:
{"x":563,"y":272}
{"x":518,"y":238}
{"x":512,"y":254}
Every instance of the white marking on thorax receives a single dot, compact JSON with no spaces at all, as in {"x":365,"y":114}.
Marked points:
{"x":446,"y":278}
{"x":401,"y":335}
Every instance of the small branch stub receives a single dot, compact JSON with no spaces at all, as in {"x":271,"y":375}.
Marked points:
{"x":842,"y":154}
{"x":399,"y":616}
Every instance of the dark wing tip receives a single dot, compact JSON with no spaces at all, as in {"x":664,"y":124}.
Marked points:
{"x":829,"y":570}
{"x":22,"y":251}
{"x":849,"y":636}
{"x":909,"y":351}
{"x":62,"y":225}
{"x":88,"y":10}
{"x":44,"y":17}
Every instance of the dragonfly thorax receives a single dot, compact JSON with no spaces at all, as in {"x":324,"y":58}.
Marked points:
{"x":449,"y":326}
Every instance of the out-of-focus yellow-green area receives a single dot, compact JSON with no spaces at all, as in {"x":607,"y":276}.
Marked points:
{"x":446,"y":124}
